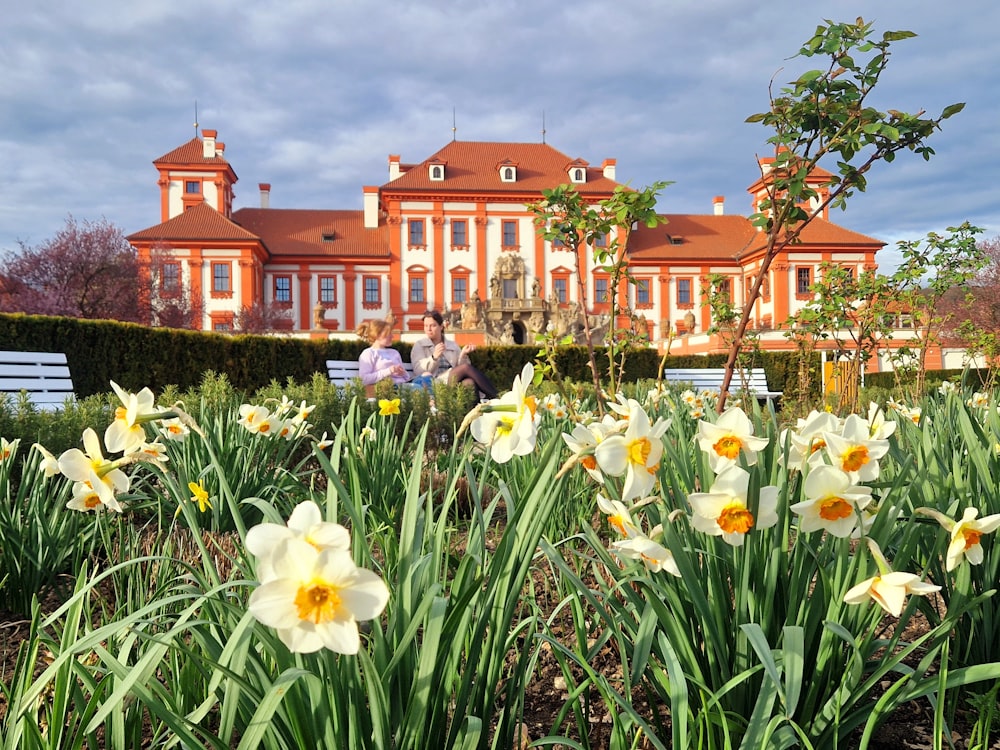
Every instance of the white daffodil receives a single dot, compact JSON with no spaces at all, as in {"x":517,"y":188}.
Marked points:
{"x":251,"y":416}
{"x":878,"y":427}
{"x":724,"y":510}
{"x":174,"y":429}
{"x":654,"y":555}
{"x":155,"y":452}
{"x":854,"y":451}
{"x":888,"y":589}
{"x":948,"y":386}
{"x":90,"y":466}
{"x":727,"y":438}
{"x":49,"y":464}
{"x":315,"y":599}
{"x":618,"y":516}
{"x":126,"y":433}
{"x":979,"y":400}
{"x":85,"y":498}
{"x":635,"y":453}
{"x":8,"y":448}
{"x":509,"y":424}
{"x":832,"y":502}
{"x":583,"y":442}
{"x":305,"y":523}
{"x":965,"y":534}
{"x":806,"y":441}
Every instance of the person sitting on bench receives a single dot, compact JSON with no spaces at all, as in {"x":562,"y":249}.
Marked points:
{"x":444,"y":360}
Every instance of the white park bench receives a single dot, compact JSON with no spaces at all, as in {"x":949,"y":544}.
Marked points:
{"x":43,"y":376}
{"x":343,"y":371}
{"x":710,"y":378}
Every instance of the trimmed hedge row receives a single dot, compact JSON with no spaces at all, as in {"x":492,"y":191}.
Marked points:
{"x":136,"y":356}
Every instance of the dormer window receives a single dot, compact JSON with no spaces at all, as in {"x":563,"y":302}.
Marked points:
{"x":508,"y":171}
{"x":328,"y":236}
{"x":436,"y":171}
{"x":576,"y":170}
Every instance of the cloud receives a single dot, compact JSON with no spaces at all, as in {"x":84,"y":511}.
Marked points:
{"x":312,"y":96}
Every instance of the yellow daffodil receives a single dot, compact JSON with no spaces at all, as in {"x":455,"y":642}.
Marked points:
{"x":724,"y":510}
{"x":729,"y":437}
{"x":832,"y":502}
{"x":199,"y":495}
{"x":888,"y":589}
{"x":965,"y":534}
{"x":388,"y":407}
{"x":316,"y":598}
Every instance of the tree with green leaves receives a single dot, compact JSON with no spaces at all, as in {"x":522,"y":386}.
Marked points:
{"x":563,"y":215}
{"x":825,"y":115}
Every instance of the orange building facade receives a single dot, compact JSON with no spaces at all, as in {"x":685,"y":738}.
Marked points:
{"x":454,"y":233}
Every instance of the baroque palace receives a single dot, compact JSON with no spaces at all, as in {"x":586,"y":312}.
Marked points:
{"x":453,"y":232}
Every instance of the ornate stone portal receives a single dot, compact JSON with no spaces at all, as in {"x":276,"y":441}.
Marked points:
{"x":515,"y":311}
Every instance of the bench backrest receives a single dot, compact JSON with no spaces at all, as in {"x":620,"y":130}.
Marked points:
{"x":342,"y":371}
{"x":711,"y":378}
{"x":43,"y":375}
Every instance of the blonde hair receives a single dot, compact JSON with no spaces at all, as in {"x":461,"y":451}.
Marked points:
{"x":372,"y":329}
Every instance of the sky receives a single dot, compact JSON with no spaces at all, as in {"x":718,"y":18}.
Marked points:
{"x":312,"y":96}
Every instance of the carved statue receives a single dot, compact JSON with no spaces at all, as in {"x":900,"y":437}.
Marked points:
{"x":471,"y":313}
{"x":495,"y":286}
{"x":689,"y":322}
{"x":318,"y":312}
{"x":507,"y":337}
{"x":536,"y":288}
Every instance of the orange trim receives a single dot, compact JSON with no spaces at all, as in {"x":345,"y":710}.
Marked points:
{"x":780,"y":290}
{"x":305,"y":301}
{"x":438,"y":265}
{"x":350,"y":297}
{"x":482,"y":272}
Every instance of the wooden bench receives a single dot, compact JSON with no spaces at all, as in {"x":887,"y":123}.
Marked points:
{"x":710,"y":378}
{"x":43,"y":376}
{"x":343,"y":371}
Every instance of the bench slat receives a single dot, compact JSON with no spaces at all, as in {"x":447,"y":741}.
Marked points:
{"x":44,"y":376}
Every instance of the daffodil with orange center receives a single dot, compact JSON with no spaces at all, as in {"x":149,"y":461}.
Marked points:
{"x":729,"y":437}
{"x":966,"y":534}
{"x":855,"y":451}
{"x":725,"y":510}
{"x":888,"y":588}
{"x":832,"y":503}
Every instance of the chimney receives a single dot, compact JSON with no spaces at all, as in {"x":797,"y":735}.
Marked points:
{"x":719,"y":204}
{"x":608,"y":167}
{"x":371,"y":206}
{"x":265,"y":194}
{"x":394,"y":170}
{"x":208,"y":143}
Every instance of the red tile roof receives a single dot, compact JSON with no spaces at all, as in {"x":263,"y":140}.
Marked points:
{"x":191,"y":152}
{"x":299,"y":232}
{"x":201,"y":222}
{"x":724,"y":238}
{"x":472,"y":167}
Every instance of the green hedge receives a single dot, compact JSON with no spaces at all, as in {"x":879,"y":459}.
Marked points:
{"x":136,"y":356}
